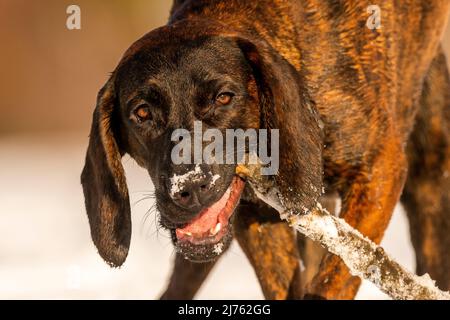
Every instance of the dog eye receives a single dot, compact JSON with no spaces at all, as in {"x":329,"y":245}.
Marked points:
{"x":224,"y":98}
{"x":142,"y":113}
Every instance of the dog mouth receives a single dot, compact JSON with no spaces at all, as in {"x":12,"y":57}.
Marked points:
{"x":208,"y":234}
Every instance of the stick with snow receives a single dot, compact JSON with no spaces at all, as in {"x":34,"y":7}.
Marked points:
{"x":362,"y":256}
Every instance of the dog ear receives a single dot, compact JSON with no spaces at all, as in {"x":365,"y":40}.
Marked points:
{"x":104,"y":184}
{"x":285,"y":105}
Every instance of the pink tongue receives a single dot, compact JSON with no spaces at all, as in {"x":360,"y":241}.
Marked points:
{"x":208,"y":218}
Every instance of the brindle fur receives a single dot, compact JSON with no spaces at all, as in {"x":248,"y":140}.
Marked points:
{"x":366,"y":90}
{"x":366,"y":86}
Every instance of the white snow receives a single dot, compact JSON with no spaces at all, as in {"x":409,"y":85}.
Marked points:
{"x":304,"y":210}
{"x":218,"y":248}
{"x":326,"y":224}
{"x":214,"y":179}
{"x":177,"y":181}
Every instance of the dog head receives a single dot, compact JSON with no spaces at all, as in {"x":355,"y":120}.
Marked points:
{"x":170,"y":79}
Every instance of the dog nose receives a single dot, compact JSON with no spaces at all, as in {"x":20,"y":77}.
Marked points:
{"x":193,"y":193}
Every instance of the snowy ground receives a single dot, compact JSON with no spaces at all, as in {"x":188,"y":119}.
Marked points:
{"x":45,"y":246}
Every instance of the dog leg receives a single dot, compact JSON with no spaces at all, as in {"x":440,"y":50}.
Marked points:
{"x":186,"y":279}
{"x":426,"y":196}
{"x":367,"y":205}
{"x":427,"y":191}
{"x":270,"y":245}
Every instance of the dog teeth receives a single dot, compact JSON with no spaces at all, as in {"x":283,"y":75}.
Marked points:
{"x":186,"y":233}
{"x":216,"y":229}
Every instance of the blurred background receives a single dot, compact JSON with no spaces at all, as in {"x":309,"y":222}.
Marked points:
{"x":49,"y":78}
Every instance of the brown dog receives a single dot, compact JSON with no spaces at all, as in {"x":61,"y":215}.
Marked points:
{"x":345,"y":98}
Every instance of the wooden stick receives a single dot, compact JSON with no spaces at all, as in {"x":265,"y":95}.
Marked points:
{"x":362,"y":256}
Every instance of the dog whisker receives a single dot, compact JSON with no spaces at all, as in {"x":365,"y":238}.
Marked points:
{"x":142,"y":199}
{"x":144,"y":192}
{"x":148,"y":213}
